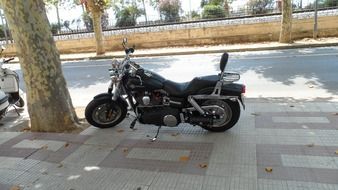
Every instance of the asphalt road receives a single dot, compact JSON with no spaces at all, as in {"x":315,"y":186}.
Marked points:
{"x":298,"y":73}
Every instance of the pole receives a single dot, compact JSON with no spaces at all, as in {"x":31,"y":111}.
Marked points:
{"x":315,"y":27}
{"x":190,"y":10}
{"x":4,"y":26}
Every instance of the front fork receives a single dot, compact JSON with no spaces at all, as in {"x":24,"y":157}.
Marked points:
{"x":115,"y":90}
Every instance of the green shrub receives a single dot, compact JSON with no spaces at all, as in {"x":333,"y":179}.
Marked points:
{"x":213,"y":11}
{"x":127,"y":16}
{"x":54,"y":27}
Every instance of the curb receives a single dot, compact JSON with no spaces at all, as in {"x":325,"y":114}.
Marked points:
{"x":283,"y":47}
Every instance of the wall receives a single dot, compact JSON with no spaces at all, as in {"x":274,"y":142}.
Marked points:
{"x":196,"y":36}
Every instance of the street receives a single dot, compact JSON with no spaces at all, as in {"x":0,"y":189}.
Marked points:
{"x":296,"y":73}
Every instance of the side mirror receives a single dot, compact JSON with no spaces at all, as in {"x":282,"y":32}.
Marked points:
{"x":224,"y":61}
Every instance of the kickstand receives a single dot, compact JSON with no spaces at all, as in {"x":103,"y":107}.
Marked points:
{"x":158,"y":131}
{"x":16,"y":110}
{"x":132,"y":124}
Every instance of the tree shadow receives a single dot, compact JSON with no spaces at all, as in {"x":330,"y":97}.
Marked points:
{"x":81,"y":74}
{"x":319,"y":67}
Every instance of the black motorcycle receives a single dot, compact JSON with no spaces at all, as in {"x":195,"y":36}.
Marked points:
{"x":212,"y":102}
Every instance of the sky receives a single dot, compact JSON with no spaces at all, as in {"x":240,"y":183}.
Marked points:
{"x":75,"y":13}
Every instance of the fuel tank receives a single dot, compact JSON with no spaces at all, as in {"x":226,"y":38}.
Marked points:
{"x":147,"y":81}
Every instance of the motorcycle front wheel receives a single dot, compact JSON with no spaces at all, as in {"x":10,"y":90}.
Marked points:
{"x":105,"y":113}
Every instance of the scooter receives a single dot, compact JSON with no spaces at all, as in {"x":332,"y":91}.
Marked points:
{"x":211,"y":102}
{"x":9,"y":88}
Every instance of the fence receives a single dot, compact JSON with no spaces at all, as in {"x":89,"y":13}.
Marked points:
{"x":253,"y":8}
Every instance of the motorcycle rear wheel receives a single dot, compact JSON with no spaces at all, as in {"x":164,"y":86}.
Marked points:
{"x":232,"y":110}
{"x":105,"y":113}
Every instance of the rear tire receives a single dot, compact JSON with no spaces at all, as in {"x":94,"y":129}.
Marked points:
{"x":105,"y":113}
{"x":235,"y":109}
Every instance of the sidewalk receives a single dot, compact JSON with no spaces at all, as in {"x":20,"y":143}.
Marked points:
{"x":277,"y":144}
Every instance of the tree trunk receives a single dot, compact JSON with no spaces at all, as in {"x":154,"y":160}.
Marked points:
{"x":145,"y":12}
{"x":226,"y":8}
{"x":49,"y":104}
{"x":96,"y":13}
{"x":286,"y":24}
{"x":58,"y":16}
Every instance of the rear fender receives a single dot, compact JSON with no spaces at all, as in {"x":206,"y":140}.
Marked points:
{"x":232,"y":89}
{"x":110,"y":97}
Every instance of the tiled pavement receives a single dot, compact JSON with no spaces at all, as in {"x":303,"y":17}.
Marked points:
{"x":297,"y":140}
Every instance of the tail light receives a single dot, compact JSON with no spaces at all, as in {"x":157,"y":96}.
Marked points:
{"x":243,"y":89}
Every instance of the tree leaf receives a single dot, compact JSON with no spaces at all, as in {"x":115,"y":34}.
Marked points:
{"x":175,"y":134}
{"x":311,"y":145}
{"x":120,"y":130}
{"x":66,"y":145}
{"x":203,"y":165}
{"x":268,"y":169}
{"x":15,"y":187}
{"x":184,"y":158}
{"x":255,"y":114}
{"x":125,"y":149}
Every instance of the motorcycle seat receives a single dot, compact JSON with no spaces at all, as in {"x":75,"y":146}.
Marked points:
{"x":189,"y":88}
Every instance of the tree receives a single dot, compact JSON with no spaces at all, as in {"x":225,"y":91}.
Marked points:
{"x":127,"y":15}
{"x":323,"y":4}
{"x":55,"y":3}
{"x":286,"y":24}
{"x":96,"y":8}
{"x":215,"y":8}
{"x":145,"y":11}
{"x":213,"y":11}
{"x":49,"y":104}
{"x":169,"y":9}
{"x":260,"y":6}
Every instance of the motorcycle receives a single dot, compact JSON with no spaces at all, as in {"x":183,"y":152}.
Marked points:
{"x":9,"y":87}
{"x":211,"y":102}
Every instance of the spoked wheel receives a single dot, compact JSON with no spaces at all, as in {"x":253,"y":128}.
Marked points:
{"x":228,"y":114}
{"x":105,"y":113}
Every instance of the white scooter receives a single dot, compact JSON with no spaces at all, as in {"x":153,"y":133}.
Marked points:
{"x":9,"y":88}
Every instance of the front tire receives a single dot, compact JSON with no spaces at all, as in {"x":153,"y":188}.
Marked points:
{"x":105,"y":113}
{"x":233,"y":111}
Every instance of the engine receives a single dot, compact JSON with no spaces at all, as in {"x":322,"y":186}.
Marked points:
{"x":161,"y":116}
{"x":154,"y":98}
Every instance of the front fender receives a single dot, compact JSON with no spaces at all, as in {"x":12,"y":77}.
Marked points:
{"x":110,"y":96}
